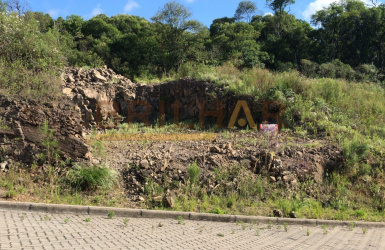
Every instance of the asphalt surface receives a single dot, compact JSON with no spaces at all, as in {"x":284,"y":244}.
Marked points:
{"x":38,"y":230}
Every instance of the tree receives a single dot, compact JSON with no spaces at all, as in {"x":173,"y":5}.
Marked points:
{"x":352,"y":33}
{"x":45,"y":20}
{"x":286,"y":39}
{"x":73,"y":25}
{"x":3,"y":6}
{"x":245,"y":10}
{"x":175,"y":15}
{"x":236,"y":42}
{"x":171,"y":24}
{"x":18,"y":6}
{"x":278,"y":6}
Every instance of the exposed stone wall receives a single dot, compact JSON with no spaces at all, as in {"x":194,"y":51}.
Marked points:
{"x":21,"y":136}
{"x":103,"y":98}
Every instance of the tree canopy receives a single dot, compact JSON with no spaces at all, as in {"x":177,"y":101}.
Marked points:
{"x":245,"y":10}
{"x":349,"y":37}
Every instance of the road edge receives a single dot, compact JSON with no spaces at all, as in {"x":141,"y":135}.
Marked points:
{"x":162,"y":214}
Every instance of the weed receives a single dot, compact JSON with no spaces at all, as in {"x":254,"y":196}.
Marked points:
{"x":160,"y":224}
{"x":51,"y":154}
{"x":220,"y":235}
{"x":286,"y":227}
{"x":87,"y":219}
{"x":325,"y":229}
{"x":66,"y":220}
{"x":257,"y":232}
{"x":110,"y":214}
{"x":217,"y":210}
{"x":364,"y":230}
{"x":252,"y":223}
{"x":180,"y":220}
{"x":243,"y":225}
{"x":22,"y":217}
{"x":125,"y":222}
{"x":10,"y":194}
{"x":45,"y":218}
{"x":233,"y":231}
{"x":308,"y":232}
{"x":193,"y":173}
{"x":270,"y":225}
{"x":352,"y":226}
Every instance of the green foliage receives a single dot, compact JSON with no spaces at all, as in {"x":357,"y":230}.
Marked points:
{"x":2,"y":7}
{"x":245,"y":10}
{"x":216,"y":210}
{"x":151,"y":188}
{"x":352,"y":226}
{"x":51,"y":154}
{"x":279,"y":5}
{"x":110,"y":214}
{"x":193,"y":172}
{"x":324,"y":227}
{"x":180,"y":220}
{"x":29,"y":58}
{"x":355,"y":151}
{"x":90,"y":178}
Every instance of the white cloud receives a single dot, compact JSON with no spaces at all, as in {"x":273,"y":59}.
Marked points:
{"x":97,"y":10}
{"x":268,"y":14}
{"x":131,"y":4}
{"x":317,"y":5}
{"x":54,"y":13}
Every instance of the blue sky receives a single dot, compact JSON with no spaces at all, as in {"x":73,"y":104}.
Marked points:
{"x":204,"y":11}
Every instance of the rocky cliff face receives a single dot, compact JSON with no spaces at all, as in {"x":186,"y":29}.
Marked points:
{"x":104,"y":97}
{"x":20,"y":131}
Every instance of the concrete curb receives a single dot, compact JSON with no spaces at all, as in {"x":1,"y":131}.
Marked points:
{"x":161,"y":214}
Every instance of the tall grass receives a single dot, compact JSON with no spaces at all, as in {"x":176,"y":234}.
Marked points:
{"x":341,"y":108}
{"x":90,"y":178}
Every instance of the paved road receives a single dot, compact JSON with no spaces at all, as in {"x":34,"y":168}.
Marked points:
{"x":34,"y":230}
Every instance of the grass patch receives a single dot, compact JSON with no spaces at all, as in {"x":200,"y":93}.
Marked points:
{"x":90,"y":178}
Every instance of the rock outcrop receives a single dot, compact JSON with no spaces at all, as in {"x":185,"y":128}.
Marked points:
{"x":104,"y":98}
{"x":21,"y":135}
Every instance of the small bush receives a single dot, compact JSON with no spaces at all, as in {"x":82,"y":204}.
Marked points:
{"x":355,"y":151}
{"x":90,"y":178}
{"x":193,"y":173}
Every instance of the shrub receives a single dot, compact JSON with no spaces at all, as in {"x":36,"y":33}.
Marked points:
{"x":367,"y":72}
{"x":90,"y":178}
{"x":193,"y":173}
{"x":354,"y":150}
{"x":29,"y":59}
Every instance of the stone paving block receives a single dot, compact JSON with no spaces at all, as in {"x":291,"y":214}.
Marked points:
{"x":38,"y":230}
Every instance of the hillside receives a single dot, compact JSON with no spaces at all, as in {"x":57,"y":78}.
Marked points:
{"x":121,"y":111}
{"x":307,"y":170}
